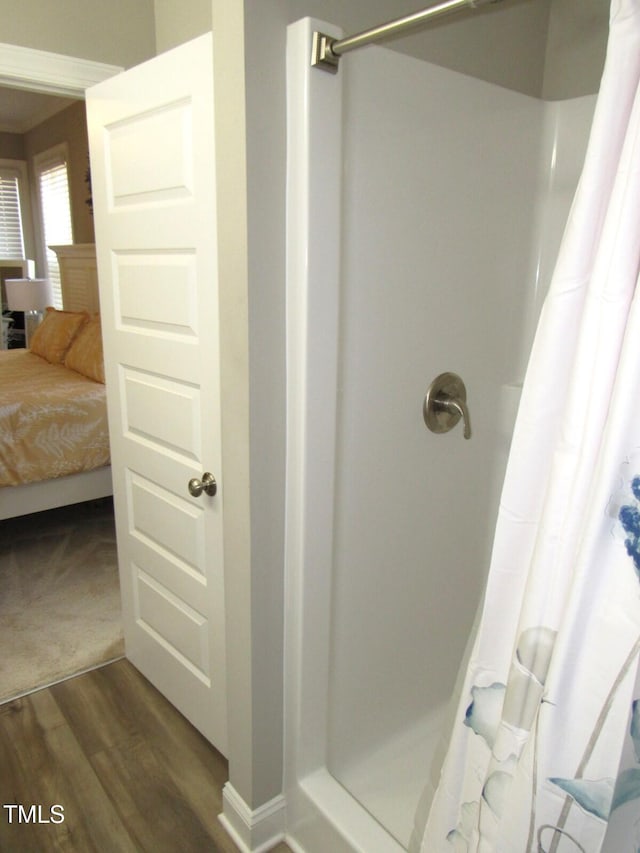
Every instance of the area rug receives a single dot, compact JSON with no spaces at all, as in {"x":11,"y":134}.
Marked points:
{"x":59,"y":596}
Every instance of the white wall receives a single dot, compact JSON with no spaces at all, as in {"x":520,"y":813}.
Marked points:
{"x":439,"y":218}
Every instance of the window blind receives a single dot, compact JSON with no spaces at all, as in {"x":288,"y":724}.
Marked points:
{"x":11,"y":237}
{"x":56,"y":217}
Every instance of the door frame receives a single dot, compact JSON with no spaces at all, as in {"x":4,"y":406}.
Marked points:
{"x":50,"y":73}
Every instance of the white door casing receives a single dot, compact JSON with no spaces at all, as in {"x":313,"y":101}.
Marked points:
{"x":151,"y":134}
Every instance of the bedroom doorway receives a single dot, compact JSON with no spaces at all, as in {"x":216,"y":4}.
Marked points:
{"x":36,"y":85}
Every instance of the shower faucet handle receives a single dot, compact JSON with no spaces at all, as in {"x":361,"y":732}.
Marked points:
{"x":445,"y":403}
{"x":458,"y":408}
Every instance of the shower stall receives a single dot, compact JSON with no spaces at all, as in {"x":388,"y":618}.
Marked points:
{"x":425,"y":211}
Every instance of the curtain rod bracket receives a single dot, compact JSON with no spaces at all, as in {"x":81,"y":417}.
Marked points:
{"x":321,"y":54}
{"x":326,"y":51}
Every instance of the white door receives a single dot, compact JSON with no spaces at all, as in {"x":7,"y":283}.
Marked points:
{"x":151,"y":135}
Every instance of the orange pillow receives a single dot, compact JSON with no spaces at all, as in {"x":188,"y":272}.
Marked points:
{"x":54,"y":335}
{"x":85,"y":353}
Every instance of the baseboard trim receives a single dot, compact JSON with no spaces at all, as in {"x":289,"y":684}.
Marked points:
{"x":254,"y":831}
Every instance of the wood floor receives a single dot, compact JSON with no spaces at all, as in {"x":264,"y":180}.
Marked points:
{"x":130,"y":773}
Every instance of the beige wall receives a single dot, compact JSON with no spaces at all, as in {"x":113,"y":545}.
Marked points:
{"x":12,"y":146}
{"x":119,"y":32}
{"x":68,"y":126}
{"x":576,"y":47}
{"x":248,"y":779}
{"x":178,"y":21}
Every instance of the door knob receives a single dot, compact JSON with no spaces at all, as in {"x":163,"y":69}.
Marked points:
{"x":445,"y":403}
{"x":206,"y":484}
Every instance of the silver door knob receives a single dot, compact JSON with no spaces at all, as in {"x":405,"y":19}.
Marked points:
{"x":206,"y":484}
{"x":445,"y":403}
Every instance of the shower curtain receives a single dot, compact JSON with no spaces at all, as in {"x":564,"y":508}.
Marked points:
{"x":544,"y":753}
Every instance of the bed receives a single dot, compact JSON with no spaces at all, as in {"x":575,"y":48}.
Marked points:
{"x":54,"y":440}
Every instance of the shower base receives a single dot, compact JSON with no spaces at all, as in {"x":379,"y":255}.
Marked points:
{"x":389,"y":782}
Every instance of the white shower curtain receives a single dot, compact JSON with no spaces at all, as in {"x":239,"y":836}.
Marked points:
{"x":544,"y":754}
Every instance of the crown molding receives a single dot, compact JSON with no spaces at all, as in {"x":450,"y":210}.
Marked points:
{"x":52,"y":73}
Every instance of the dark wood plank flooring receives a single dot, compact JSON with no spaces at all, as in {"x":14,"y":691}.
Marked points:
{"x":129,"y":771}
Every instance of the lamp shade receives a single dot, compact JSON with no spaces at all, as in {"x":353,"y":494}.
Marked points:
{"x":28,"y":294}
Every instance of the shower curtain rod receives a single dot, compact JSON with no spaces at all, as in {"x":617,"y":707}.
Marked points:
{"x":326,"y":51}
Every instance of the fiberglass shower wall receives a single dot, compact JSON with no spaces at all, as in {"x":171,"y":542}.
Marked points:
{"x":438,"y":183}
{"x":453,"y":195}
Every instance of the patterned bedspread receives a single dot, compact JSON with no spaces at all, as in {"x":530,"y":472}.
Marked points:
{"x":53,"y":421}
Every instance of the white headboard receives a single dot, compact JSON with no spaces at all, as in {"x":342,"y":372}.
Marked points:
{"x":79,"y":277}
